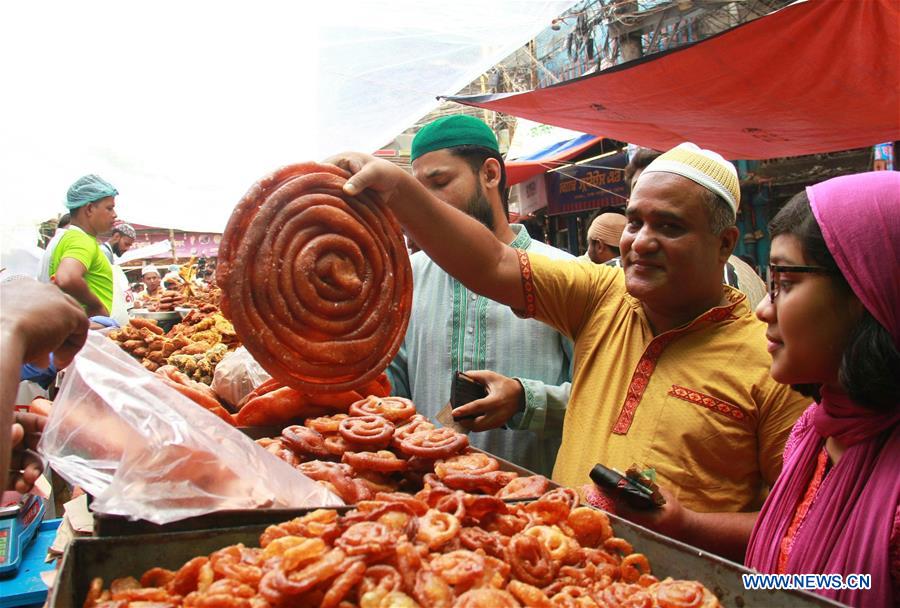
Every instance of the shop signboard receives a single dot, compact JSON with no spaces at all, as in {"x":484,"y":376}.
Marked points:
{"x":532,"y":194}
{"x":596,"y":184}
{"x":187,"y":244}
{"x":884,"y":157}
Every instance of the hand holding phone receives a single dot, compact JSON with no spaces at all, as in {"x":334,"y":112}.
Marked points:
{"x":464,"y":390}
{"x":636,"y":494}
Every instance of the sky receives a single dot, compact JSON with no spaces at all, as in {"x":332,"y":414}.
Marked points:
{"x":184,"y":105}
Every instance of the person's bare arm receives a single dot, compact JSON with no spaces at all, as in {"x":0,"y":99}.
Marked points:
{"x":70,"y":278}
{"x":26,"y":465}
{"x":459,"y":244}
{"x":725,"y":534}
{"x":35,"y":320}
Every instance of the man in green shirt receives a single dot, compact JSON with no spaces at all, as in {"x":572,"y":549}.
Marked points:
{"x":78,"y":265}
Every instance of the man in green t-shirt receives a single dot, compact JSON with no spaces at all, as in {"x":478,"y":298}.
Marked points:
{"x":78,"y":265}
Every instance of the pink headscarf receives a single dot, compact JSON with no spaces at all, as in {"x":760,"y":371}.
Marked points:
{"x":849,"y":524}
{"x":860,"y":219}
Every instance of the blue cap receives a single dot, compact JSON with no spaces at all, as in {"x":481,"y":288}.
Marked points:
{"x":88,"y":189}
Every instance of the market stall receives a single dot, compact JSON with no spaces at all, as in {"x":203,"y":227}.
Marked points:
{"x":266,"y":408}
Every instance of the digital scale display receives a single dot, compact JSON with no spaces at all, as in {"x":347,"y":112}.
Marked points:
{"x":18,"y":524}
{"x":4,"y":545}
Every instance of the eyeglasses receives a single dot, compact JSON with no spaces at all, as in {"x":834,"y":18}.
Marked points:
{"x":773,"y":275}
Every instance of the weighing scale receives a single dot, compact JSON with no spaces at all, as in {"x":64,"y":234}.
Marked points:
{"x":18,"y":524}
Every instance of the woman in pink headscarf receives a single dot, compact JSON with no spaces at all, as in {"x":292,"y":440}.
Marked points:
{"x":833,"y":320}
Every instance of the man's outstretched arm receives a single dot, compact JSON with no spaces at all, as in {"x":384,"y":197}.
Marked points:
{"x":459,"y":244}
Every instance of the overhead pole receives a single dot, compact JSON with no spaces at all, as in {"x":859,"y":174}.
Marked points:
{"x":629,"y":41}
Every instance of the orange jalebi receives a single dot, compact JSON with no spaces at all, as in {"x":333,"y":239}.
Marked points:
{"x":394,"y":554}
{"x":317,"y":283}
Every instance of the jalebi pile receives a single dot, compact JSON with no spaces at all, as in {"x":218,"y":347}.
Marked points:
{"x":397,"y":551}
{"x":317,"y":283}
{"x":382,"y":445}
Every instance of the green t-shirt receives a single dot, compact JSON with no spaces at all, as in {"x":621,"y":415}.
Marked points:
{"x":81,"y":246}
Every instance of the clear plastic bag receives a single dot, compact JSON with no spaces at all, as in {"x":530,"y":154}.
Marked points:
{"x":236,"y":375}
{"x":146,"y":452}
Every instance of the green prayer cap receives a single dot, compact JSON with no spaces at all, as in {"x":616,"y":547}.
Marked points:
{"x":450,"y":132}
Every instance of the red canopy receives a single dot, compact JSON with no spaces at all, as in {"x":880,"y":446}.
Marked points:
{"x":816,"y":76}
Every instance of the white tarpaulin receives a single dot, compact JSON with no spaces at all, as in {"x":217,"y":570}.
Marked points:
{"x":183,"y":105}
{"x":148,"y":251}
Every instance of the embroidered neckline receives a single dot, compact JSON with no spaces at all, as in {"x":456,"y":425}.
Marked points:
{"x":640,"y":379}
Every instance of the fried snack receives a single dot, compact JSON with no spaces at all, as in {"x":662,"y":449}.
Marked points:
{"x":336,"y":445}
{"x":437,"y":443}
{"x":589,"y":526}
{"x":359,"y":441}
{"x":387,"y":553}
{"x":195,"y":353}
{"x":530,"y":561}
{"x":557,"y":544}
{"x":488,"y":482}
{"x":670,"y":593}
{"x":525,"y":487}
{"x":475,"y":463}
{"x":147,"y":323}
{"x":326,"y":424}
{"x":432,"y":590}
{"x":460,"y":568}
{"x":415,"y":424}
{"x":273,"y":403}
{"x":317,"y":283}
{"x":381,"y":461}
{"x":529,"y":595}
{"x":277,"y":447}
{"x":633,"y":566}
{"x":437,"y":528}
{"x":280,"y":405}
{"x":476,"y":539}
{"x":199,"y":393}
{"x":486,"y":598}
{"x":371,"y":431}
{"x":304,"y":441}
{"x":396,"y":409}
{"x":550,"y":509}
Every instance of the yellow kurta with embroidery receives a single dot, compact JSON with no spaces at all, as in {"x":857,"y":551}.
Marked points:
{"x":696,"y":403}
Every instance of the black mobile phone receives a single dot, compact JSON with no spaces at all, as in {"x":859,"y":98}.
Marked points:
{"x":635,"y":494}
{"x":464,"y":390}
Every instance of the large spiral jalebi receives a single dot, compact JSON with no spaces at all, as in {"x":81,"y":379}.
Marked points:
{"x":317,"y":283}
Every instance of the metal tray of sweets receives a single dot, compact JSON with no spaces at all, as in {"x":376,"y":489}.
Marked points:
{"x":669,"y":557}
{"x":258,"y":432}
{"x":117,"y":525}
{"x":115,"y":557}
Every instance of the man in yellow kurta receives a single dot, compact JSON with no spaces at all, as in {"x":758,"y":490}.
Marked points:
{"x":671,"y":369}
{"x":695,"y":402}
